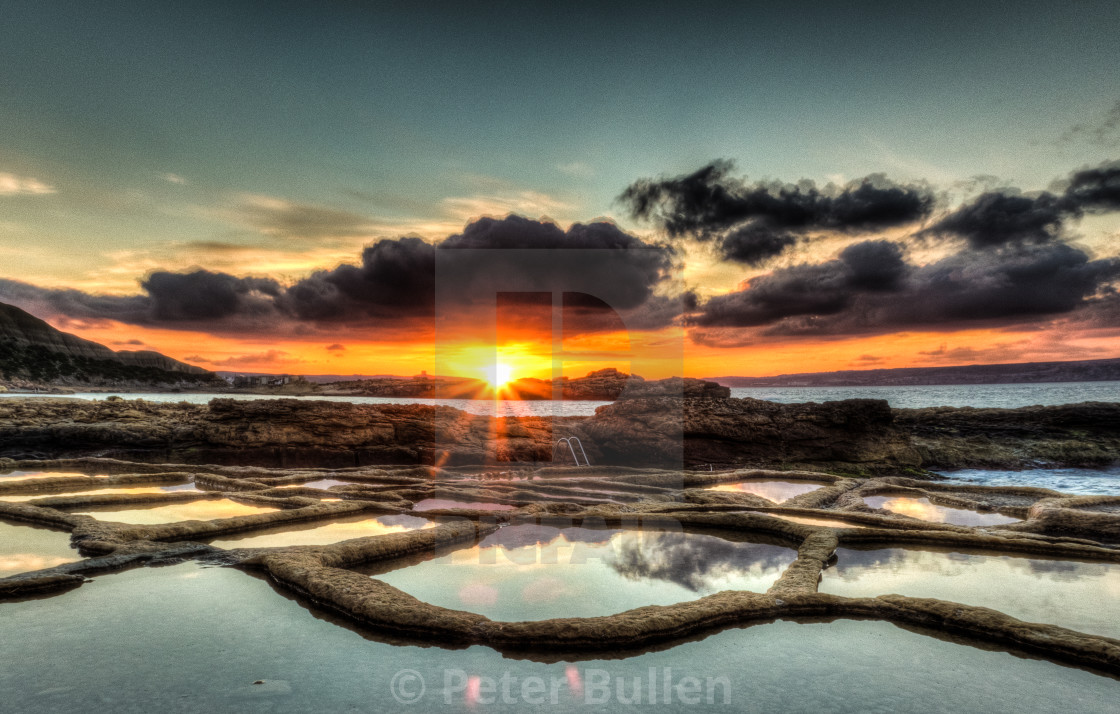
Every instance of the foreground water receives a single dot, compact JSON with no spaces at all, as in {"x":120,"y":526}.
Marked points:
{"x":156,"y":514}
{"x":313,"y":533}
{"x":530,"y":572}
{"x":921,"y":508}
{"x":1083,"y":596}
{"x":189,"y":639}
{"x":776,"y":491}
{"x":25,"y":547}
{"x":1006,"y":396}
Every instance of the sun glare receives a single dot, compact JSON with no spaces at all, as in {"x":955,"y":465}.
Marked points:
{"x":498,"y":374}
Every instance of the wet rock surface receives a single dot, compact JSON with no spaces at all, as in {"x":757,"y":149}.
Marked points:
{"x":852,"y":436}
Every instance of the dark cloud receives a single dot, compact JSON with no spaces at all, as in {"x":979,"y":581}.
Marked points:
{"x":754,"y":243}
{"x":336,"y":347}
{"x":869,"y":289}
{"x":874,"y":266}
{"x":393,"y":286}
{"x":998,"y":218}
{"x":516,"y":254}
{"x":395,"y":280}
{"x":754,"y":221}
{"x":203,"y":295}
{"x":1095,"y":190}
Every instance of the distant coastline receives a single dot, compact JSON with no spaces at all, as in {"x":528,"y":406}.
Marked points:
{"x":1101,"y":370}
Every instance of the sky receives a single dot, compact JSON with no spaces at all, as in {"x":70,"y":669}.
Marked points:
{"x":760,"y":188}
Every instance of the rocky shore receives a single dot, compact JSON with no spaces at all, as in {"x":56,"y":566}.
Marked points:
{"x":853,"y":436}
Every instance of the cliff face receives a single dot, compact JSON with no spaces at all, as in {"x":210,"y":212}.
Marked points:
{"x":32,"y":353}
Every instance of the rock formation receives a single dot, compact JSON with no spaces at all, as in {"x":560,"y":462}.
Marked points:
{"x":854,"y":436}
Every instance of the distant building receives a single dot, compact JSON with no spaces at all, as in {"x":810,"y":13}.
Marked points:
{"x":264,"y":380}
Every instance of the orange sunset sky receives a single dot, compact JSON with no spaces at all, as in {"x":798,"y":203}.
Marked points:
{"x":344,"y":189}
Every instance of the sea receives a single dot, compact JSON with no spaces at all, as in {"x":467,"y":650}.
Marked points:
{"x":1007,"y":396}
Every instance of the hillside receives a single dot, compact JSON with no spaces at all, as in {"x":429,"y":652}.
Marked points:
{"x":34,"y":354}
{"x":1097,"y":370}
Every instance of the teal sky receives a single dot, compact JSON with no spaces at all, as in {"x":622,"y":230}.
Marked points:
{"x":152,"y":124}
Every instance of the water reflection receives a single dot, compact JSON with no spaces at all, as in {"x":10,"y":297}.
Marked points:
{"x":1080,"y":595}
{"x":323,"y":483}
{"x":532,"y":572}
{"x":925,"y":510}
{"x":812,"y":521}
{"x":26,"y":475}
{"x":170,"y":513}
{"x":433,"y":504}
{"x":102,"y":492}
{"x":776,"y":491}
{"x":24,"y":547}
{"x":314,"y":533}
{"x":173,"y":650}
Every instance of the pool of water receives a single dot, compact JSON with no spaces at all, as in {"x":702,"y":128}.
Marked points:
{"x":433,"y":504}
{"x":319,"y":533}
{"x":811,"y":521}
{"x":530,"y":572}
{"x":776,"y":491}
{"x":1085,"y":482}
{"x":1080,"y":595}
{"x":170,"y":513}
{"x":152,"y":639}
{"x":187,"y":487}
{"x":323,"y":483}
{"x":25,"y":475}
{"x":25,"y":547}
{"x":926,"y":511}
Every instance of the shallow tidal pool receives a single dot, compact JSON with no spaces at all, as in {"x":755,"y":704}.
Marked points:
{"x":182,"y":488}
{"x":25,"y":547}
{"x":319,"y":533}
{"x":26,"y":475}
{"x":203,"y":510}
{"x":1080,"y":595}
{"x":923,"y":509}
{"x":153,"y":639}
{"x":435,"y":504}
{"x":532,"y":572}
{"x":771,"y":490}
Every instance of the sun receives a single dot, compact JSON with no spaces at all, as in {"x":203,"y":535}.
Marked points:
{"x":498,"y":374}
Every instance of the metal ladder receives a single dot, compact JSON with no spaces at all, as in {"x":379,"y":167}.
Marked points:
{"x":568,"y":440}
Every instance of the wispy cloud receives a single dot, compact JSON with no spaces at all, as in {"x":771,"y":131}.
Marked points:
{"x":1103,"y":132}
{"x":12,"y":185}
{"x":522,"y":202}
{"x":578,"y":169}
{"x":270,"y":357}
